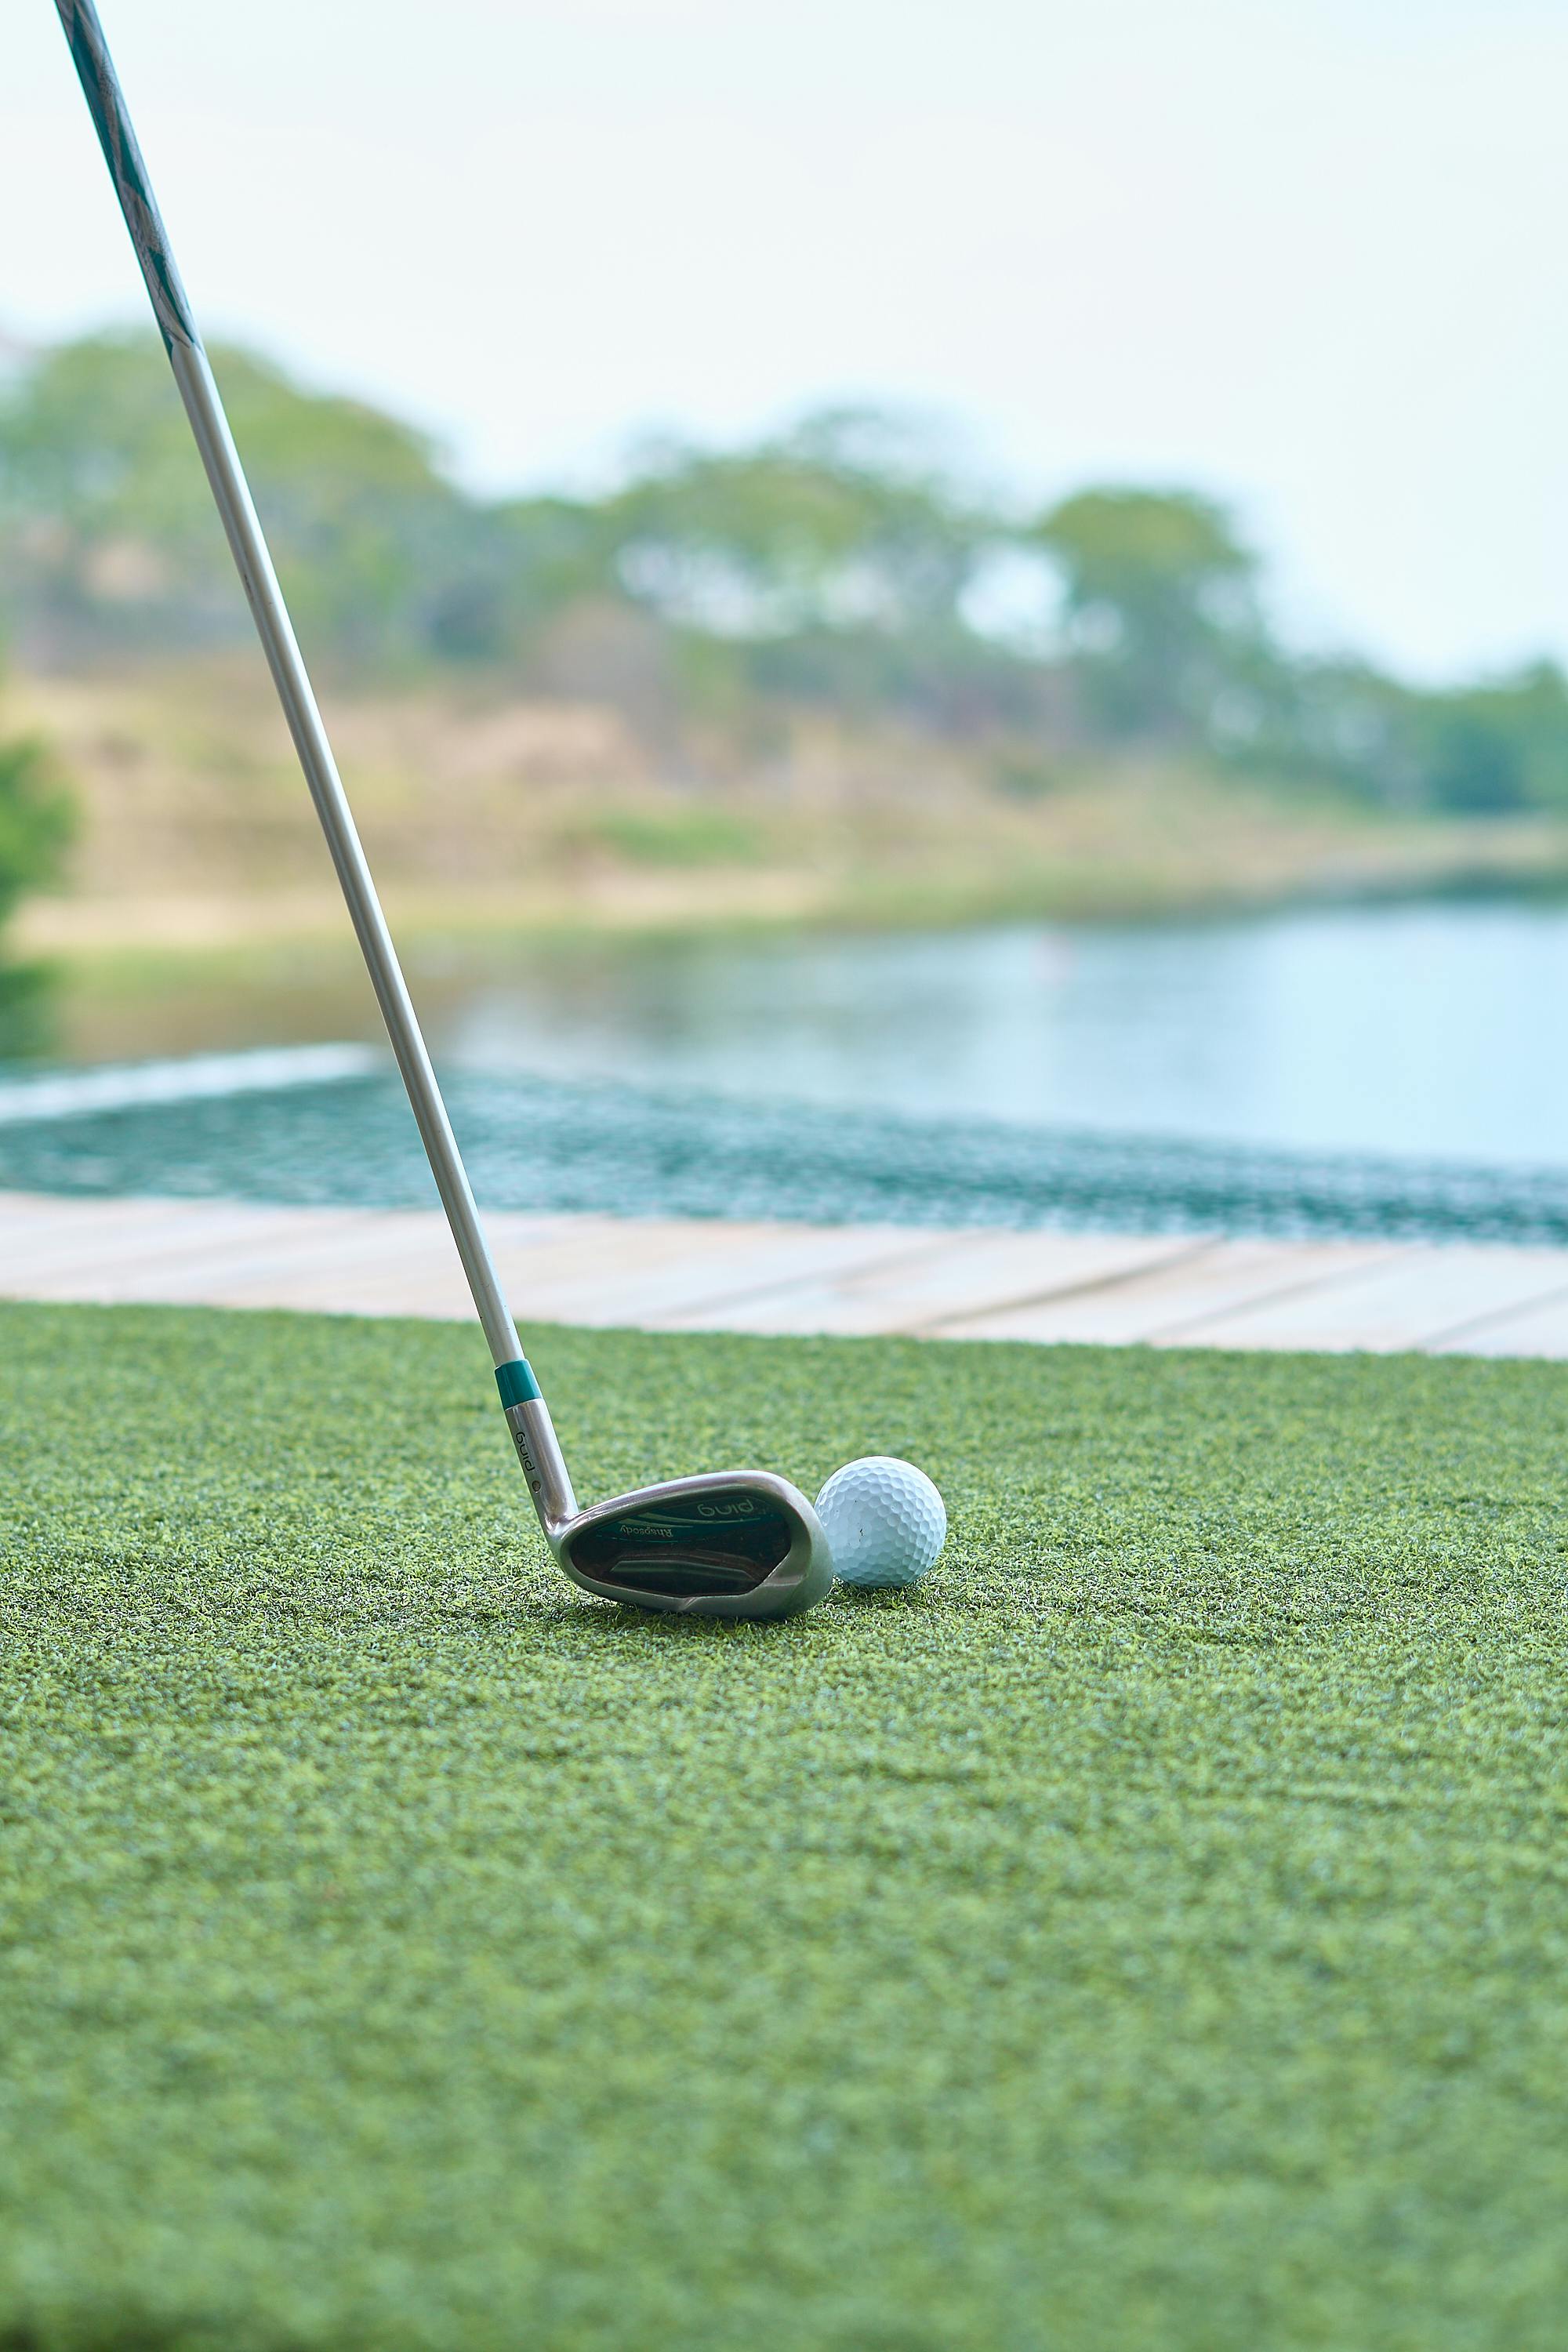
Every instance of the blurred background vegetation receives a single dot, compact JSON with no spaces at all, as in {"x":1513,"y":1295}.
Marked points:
{"x":840,"y":575}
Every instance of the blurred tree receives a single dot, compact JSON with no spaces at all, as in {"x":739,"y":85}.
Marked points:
{"x":1469,"y":757}
{"x":1160,"y":614}
{"x":520,"y":564}
{"x":1486,"y":750}
{"x":35,"y":820}
{"x":804,"y":532}
{"x":832,"y":560}
{"x":1474,"y":750}
{"x":109,"y":535}
{"x":837,"y":565}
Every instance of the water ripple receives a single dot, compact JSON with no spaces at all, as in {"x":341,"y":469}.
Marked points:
{"x":535,"y":1143}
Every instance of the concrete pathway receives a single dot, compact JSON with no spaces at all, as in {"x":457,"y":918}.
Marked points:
{"x":665,"y":1274}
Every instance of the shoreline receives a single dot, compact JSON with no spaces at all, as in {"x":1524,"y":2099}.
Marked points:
{"x":83,"y":933}
{"x":518,"y":821}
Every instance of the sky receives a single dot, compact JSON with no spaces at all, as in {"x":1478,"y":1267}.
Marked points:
{"x":1307,"y":257}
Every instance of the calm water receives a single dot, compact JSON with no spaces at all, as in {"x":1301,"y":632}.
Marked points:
{"x":1427,"y":1032}
{"x":1360,"y":1070}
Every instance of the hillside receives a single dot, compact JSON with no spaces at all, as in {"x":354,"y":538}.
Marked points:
{"x":485,"y":809}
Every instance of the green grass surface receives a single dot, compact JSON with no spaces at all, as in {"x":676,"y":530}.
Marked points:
{"x":1152,"y":1933}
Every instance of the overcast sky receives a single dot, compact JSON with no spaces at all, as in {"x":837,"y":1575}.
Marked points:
{"x":1308,"y":256}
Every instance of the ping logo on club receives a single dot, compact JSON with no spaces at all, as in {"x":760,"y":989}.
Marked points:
{"x":525,"y":1456}
{"x":743,"y":1509}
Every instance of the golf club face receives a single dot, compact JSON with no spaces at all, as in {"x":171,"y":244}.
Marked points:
{"x":731,"y":1543}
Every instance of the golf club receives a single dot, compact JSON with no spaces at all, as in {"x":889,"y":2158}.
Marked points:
{"x":729,"y":1543}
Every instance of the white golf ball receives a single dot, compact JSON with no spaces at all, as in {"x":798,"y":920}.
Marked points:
{"x":884,"y":1519}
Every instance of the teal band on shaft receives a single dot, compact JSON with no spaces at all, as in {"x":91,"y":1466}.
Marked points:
{"x":517,"y":1383}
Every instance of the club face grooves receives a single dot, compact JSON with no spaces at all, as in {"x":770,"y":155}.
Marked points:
{"x":730,"y":1544}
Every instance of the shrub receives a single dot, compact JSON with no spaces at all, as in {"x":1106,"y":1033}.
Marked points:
{"x":37,"y":818}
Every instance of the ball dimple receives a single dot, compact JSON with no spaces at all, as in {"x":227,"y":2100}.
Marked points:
{"x":885,"y":1521}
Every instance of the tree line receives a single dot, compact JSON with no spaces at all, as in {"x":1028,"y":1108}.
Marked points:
{"x":838,"y":566}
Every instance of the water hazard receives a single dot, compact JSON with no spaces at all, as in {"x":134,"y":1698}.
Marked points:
{"x":1396,"y":1070}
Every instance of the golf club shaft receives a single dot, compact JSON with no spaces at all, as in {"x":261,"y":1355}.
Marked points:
{"x":525,"y":1409}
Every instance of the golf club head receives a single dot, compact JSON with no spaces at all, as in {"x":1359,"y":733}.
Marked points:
{"x":730,"y":1543}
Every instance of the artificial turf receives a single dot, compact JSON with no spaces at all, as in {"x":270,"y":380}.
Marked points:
{"x":1153,"y":1932}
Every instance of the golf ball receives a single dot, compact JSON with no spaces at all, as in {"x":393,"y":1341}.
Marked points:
{"x":884,"y":1519}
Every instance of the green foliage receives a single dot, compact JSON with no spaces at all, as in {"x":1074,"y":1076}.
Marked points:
{"x":1149,"y":1934}
{"x":695,"y":835}
{"x":547,"y":556}
{"x":28,"y":1010}
{"x":1494,"y":750}
{"x":35,"y":820}
{"x":836,"y":566}
{"x":1025,"y":776}
{"x":110,"y":534}
{"x":819,"y":531}
{"x":1490,"y":749}
{"x":1159,"y":604}
{"x":832,"y":563}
